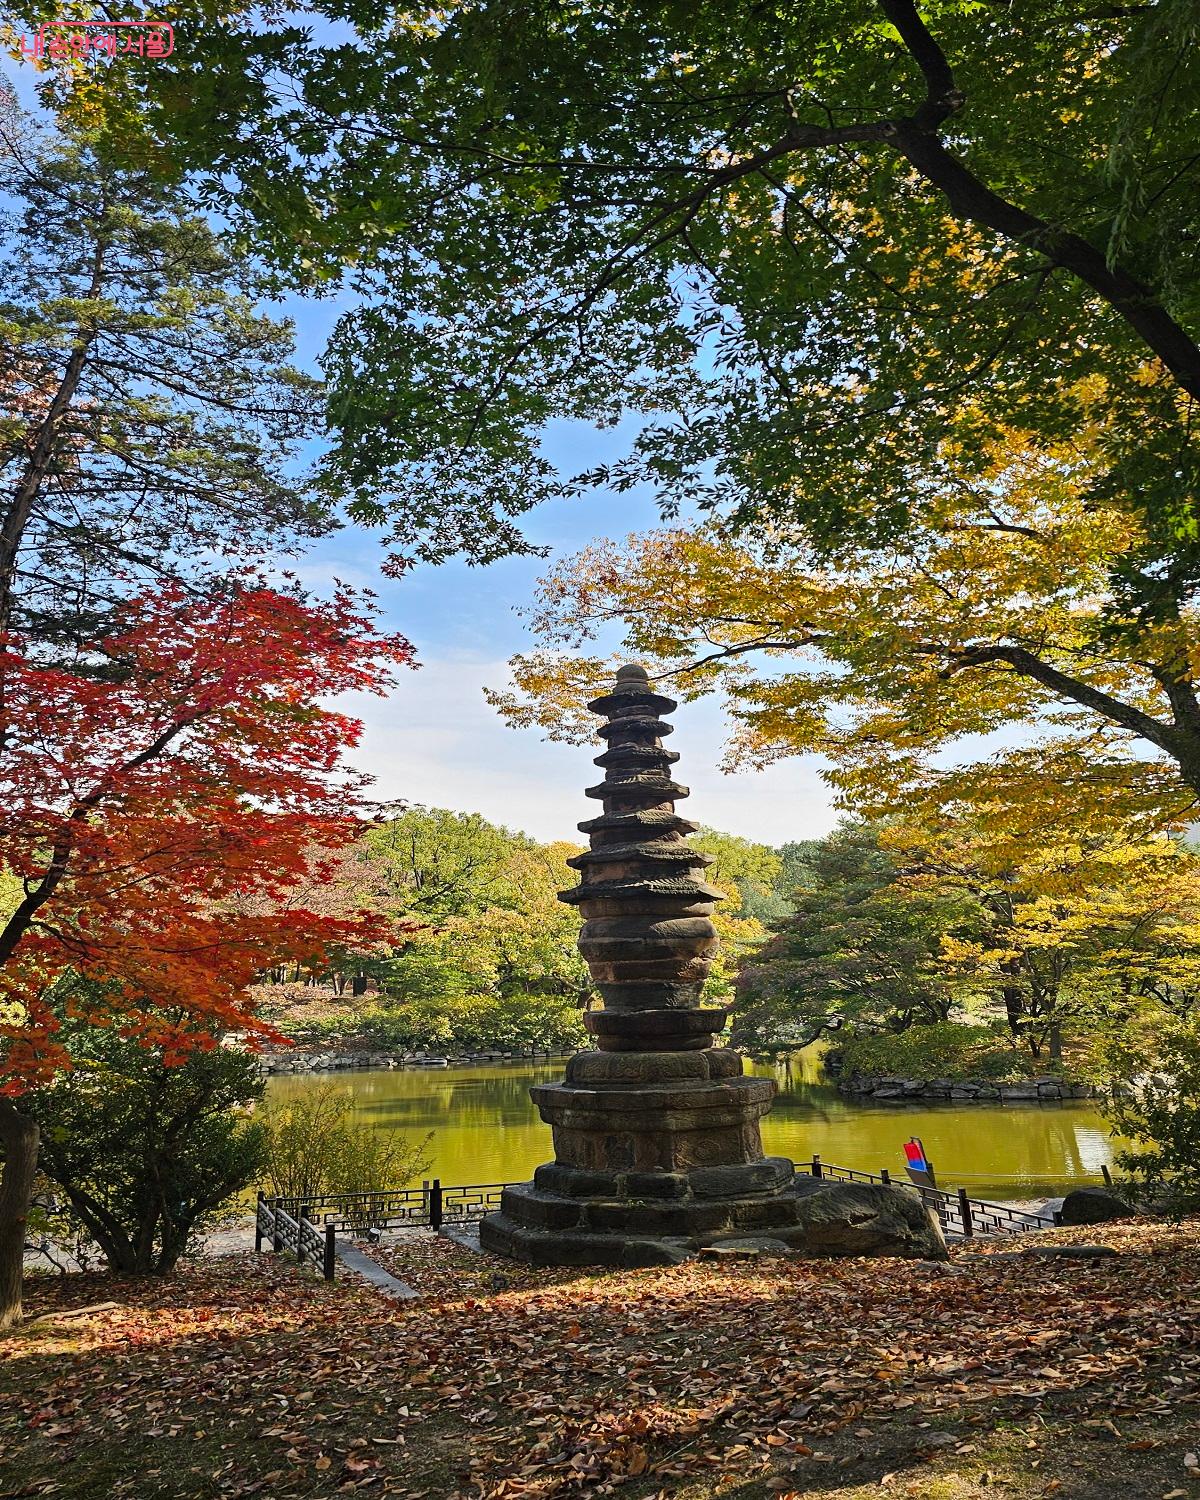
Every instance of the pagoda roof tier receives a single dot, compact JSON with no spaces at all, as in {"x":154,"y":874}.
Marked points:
{"x":676,"y":887}
{"x":644,"y":723}
{"x":654,"y":788}
{"x":648,"y":818}
{"x":630,"y":701}
{"x":636,"y":755}
{"x":661,"y":851}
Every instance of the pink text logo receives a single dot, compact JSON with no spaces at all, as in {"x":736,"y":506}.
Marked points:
{"x":84,"y":39}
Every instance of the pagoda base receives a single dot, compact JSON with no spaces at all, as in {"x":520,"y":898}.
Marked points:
{"x":670,"y":1126}
{"x":658,"y":1154}
{"x":572,"y":1217}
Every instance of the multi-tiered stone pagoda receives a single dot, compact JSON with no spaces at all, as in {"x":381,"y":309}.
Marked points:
{"x":656,"y":1133}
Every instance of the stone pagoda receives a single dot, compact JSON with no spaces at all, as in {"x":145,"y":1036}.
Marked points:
{"x":656,"y":1133}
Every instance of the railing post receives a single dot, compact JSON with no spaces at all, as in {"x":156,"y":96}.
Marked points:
{"x":964,"y":1209}
{"x":1106,"y":1174}
{"x":435,"y":1206}
{"x":258,"y":1221}
{"x":277,"y":1228}
{"x":885,"y":1177}
{"x":301,"y":1215}
{"x":330,"y":1252}
{"x":816,"y":1165}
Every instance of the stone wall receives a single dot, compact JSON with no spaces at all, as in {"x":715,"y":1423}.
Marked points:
{"x":965,"y":1090}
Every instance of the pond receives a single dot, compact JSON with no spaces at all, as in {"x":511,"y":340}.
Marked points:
{"x":487,"y":1130}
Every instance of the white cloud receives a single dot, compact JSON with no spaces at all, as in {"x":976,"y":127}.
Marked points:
{"x":436,"y":741}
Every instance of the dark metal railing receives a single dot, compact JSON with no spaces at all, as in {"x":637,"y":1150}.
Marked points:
{"x":430,"y":1205}
{"x":296,"y":1232}
{"x":308,"y":1226}
{"x":467,"y":1205}
{"x":391,"y":1208}
{"x":959,"y":1213}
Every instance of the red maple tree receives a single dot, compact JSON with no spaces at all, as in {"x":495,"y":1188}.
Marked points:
{"x":190,"y":757}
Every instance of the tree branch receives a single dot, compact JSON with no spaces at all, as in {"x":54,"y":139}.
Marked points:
{"x":1028,"y":665}
{"x":972,"y":199}
{"x":943,"y":97}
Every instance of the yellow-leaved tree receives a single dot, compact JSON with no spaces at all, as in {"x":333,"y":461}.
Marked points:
{"x":1031,"y":759}
{"x":981,"y":952}
{"x":1074,"y":931}
{"x":898,"y":665}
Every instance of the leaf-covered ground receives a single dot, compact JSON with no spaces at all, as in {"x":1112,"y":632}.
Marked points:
{"x":996,"y":1375}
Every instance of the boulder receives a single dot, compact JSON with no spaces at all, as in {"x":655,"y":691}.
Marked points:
{"x":863,"y":1218}
{"x":1093,"y":1205}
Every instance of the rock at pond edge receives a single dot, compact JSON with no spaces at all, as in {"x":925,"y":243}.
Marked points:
{"x":1093,"y":1205}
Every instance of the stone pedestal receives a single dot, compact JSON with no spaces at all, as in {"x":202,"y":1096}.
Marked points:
{"x":656,"y":1133}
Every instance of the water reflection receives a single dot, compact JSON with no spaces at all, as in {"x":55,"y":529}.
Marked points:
{"x":487,"y":1130}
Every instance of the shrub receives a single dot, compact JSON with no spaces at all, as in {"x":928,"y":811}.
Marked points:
{"x":948,"y":1049}
{"x":1153,"y":1099}
{"x":460,"y":1023}
{"x":314,"y":1148}
{"x":504,"y":1023}
{"x":147,"y":1154}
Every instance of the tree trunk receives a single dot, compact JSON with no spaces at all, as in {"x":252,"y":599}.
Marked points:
{"x":41,"y":455}
{"x":115,"y":1245}
{"x":174,"y":1243}
{"x":1014,"y":1001}
{"x":19,"y":1139}
{"x":1055,"y":1042}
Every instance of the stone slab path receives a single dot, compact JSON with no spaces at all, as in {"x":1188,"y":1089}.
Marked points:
{"x":371,"y":1271}
{"x":466,"y":1235}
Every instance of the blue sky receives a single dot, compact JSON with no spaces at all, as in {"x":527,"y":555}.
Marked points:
{"x":436,"y":741}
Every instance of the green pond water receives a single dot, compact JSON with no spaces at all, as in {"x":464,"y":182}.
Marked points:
{"x":485,"y":1129}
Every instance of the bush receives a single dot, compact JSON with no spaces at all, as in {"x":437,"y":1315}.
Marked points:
{"x":146,"y":1154}
{"x":314,"y":1148}
{"x":459,"y":1023}
{"x":1153,"y":1099}
{"x":948,"y":1049}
